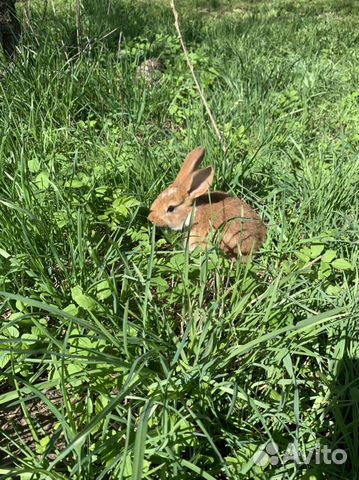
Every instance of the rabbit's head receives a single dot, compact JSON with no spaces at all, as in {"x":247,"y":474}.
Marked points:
{"x":173,"y":207}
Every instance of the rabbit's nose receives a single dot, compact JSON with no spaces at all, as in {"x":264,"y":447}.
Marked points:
{"x":150,"y":217}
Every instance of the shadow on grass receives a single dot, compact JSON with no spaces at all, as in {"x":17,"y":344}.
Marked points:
{"x":150,"y":18}
{"x":110,"y":20}
{"x":125,"y":19}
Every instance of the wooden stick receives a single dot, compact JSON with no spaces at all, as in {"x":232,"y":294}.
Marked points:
{"x":78,"y":25}
{"x":198,"y":86}
{"x":27,"y":14}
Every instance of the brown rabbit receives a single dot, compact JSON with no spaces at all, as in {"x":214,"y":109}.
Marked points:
{"x":188,"y":203}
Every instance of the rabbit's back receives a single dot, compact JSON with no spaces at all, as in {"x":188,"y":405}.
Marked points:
{"x":233,"y":220}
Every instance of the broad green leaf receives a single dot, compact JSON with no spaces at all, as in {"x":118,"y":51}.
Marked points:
{"x":4,"y":359}
{"x":71,"y":309}
{"x":324,"y":271}
{"x":83,"y":300}
{"x":342,"y":264}
{"x":42,"y":180}
{"x":316,"y":250}
{"x":11,"y":332}
{"x":333,"y":290}
{"x":328,"y":256}
{"x":103,"y":290}
{"x":160,"y":284}
{"x":34,"y":165}
{"x":303,"y":256}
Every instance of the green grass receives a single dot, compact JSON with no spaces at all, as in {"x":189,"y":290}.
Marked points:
{"x":121,"y":356}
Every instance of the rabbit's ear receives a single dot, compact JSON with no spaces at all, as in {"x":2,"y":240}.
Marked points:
{"x":201,"y":181}
{"x":191,"y":163}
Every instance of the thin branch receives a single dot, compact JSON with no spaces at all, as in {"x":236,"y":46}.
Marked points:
{"x":78,"y":25}
{"x":119,"y":46}
{"x":27,"y":21}
{"x":53,"y":7}
{"x":198,"y":86}
{"x":27,"y":14}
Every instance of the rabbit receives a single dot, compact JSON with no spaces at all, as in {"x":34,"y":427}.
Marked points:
{"x":187,"y":204}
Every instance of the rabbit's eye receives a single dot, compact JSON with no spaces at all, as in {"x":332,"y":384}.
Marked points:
{"x":171,"y":209}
